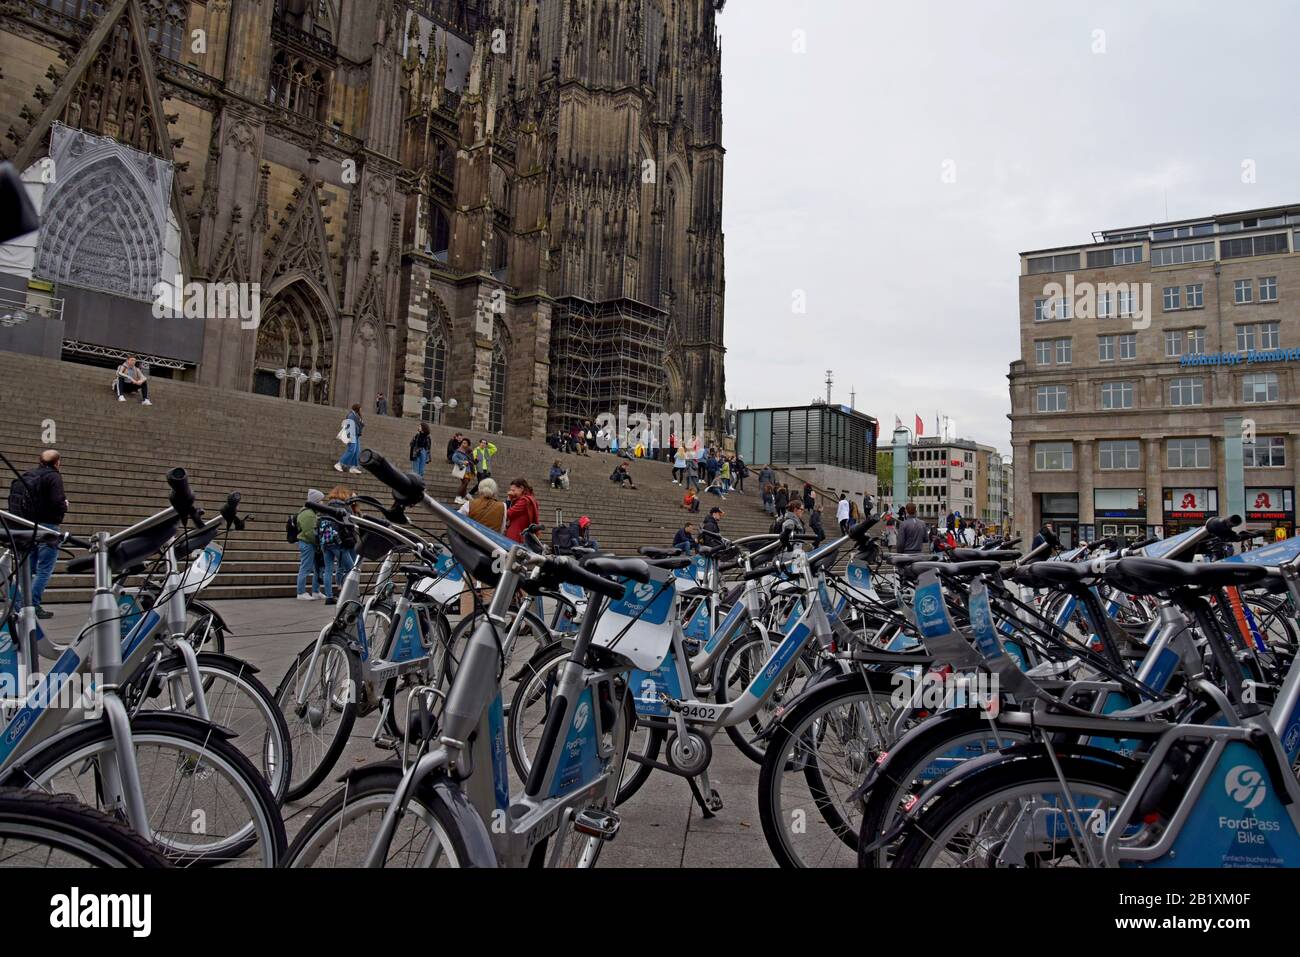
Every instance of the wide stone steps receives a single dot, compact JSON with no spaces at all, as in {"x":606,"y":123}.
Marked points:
{"x":116,"y":454}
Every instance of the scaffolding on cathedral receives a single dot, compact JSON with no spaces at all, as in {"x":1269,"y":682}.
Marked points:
{"x":604,"y":355}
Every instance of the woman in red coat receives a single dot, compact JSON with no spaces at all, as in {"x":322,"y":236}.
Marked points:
{"x":523,"y":510}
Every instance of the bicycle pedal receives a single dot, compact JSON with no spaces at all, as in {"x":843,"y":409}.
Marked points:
{"x":386,"y":741}
{"x":595,"y":822}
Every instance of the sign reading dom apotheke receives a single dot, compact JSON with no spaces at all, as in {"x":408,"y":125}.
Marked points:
{"x":1251,"y":357}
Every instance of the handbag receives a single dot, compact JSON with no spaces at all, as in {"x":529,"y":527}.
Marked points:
{"x":343,"y":434}
{"x":458,"y":471}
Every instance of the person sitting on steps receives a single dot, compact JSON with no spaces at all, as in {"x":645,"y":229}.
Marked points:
{"x":130,"y":379}
{"x":622,"y":476}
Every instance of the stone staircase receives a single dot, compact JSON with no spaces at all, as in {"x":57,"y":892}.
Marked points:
{"x":116,"y":454}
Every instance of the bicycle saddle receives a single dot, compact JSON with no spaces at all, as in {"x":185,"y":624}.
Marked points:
{"x":1042,"y":574}
{"x":957,"y":569}
{"x":128,"y":552}
{"x":985,"y":554}
{"x":902,"y":561}
{"x":653,"y":551}
{"x":1160,"y":574}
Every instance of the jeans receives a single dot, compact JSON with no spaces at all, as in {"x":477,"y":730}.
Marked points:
{"x":336,"y":555}
{"x":419,"y":462}
{"x":352,"y":457}
{"x":307,"y":568}
{"x":43,"y":559}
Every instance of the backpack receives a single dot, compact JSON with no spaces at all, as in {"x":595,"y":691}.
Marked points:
{"x":22,"y":500}
{"x":291,"y":529}
{"x":562,"y":537}
{"x":327,"y":533}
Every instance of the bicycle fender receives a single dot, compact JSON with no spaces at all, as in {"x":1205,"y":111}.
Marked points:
{"x":206,"y":609}
{"x":478,"y":842}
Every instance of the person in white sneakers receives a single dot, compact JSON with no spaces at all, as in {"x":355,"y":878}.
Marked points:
{"x":307,"y":547}
{"x":130,"y":379}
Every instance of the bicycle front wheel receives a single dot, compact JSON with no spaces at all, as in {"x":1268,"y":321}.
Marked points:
{"x":318,"y":726}
{"x":52,"y":830}
{"x":205,"y":803}
{"x":342,"y":832}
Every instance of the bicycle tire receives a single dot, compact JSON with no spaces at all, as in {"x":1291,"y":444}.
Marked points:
{"x":308,"y":771}
{"x":280,"y":770}
{"x":186,"y":735}
{"x":89,"y":837}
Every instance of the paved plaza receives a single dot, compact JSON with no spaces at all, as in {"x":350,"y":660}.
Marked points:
{"x":661,"y":826}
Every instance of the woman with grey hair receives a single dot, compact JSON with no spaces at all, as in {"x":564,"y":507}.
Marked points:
{"x":485,"y":508}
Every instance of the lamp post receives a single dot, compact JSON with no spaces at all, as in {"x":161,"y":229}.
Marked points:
{"x":438,"y":405}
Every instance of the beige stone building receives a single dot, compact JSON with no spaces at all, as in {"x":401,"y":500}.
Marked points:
{"x":1157,"y":384}
{"x":513,"y":204}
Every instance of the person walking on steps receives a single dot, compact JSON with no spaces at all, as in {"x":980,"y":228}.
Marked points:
{"x":462,"y":468}
{"x":421,"y":446}
{"x":37,"y":495}
{"x":351,"y":433}
{"x":381,"y":405}
{"x":131,"y":379}
{"x":842,"y":508}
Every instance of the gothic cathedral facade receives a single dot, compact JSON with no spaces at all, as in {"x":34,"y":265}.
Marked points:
{"x":502,"y":214}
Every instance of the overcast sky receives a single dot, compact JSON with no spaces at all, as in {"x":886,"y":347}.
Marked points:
{"x":835,"y":158}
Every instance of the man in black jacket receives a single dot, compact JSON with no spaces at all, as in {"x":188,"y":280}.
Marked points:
{"x":685,"y":538}
{"x":41,"y":499}
{"x":453,"y":444}
{"x":712,"y":534}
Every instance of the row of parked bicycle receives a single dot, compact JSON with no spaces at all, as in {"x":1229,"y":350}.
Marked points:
{"x":1118,"y":704}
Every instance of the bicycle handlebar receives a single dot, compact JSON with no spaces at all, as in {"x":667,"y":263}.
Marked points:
{"x":408,"y":489}
{"x":182,"y":497}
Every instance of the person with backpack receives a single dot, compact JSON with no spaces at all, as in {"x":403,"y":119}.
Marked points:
{"x":37,"y":495}
{"x":337,"y":543}
{"x":780,"y":499}
{"x":421,"y":446}
{"x":351,"y":431}
{"x":769,"y":499}
{"x":307,"y":546}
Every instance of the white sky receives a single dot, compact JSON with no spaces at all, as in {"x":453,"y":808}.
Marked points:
{"x":834,"y":159}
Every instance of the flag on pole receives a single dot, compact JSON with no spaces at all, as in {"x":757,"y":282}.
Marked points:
{"x":920,"y":426}
{"x":898,"y":423}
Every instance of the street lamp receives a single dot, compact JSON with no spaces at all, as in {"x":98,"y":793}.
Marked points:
{"x":298,"y":377}
{"x":438,"y":405}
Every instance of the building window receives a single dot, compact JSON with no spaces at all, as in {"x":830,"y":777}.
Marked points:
{"x":1128,"y":348}
{"x":1187,"y":390}
{"x":1052,"y":398}
{"x":1063,"y":352}
{"x":435,"y":372}
{"x":1125,"y":303}
{"x":1054,"y":456}
{"x":1118,"y":455}
{"x":1268,"y":289}
{"x":1043,"y":352}
{"x":1188,"y":453}
{"x":1196,"y":342}
{"x":1123,"y":256}
{"x":1243,"y":291}
{"x":1259,"y":387}
{"x":299,"y":86}
{"x":1266,"y":452}
{"x":167,"y":20}
{"x":1060,"y":263}
{"x":1178,"y":255}
{"x":1117,"y":395}
{"x":1253,"y":246}
{"x":1105,"y":307}
{"x":1105,"y":348}
{"x":1259,"y":335}
{"x":1173,"y":298}
{"x":497,"y":385}
{"x":1175,"y":343}
{"x":1196,"y":296}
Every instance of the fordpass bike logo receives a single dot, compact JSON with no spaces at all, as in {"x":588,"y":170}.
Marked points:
{"x":1245,"y":785}
{"x":979,"y":617}
{"x":929,"y":605}
{"x":643,"y":591}
{"x":583,"y":713}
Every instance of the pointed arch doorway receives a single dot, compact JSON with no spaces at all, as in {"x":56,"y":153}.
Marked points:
{"x":295,"y":346}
